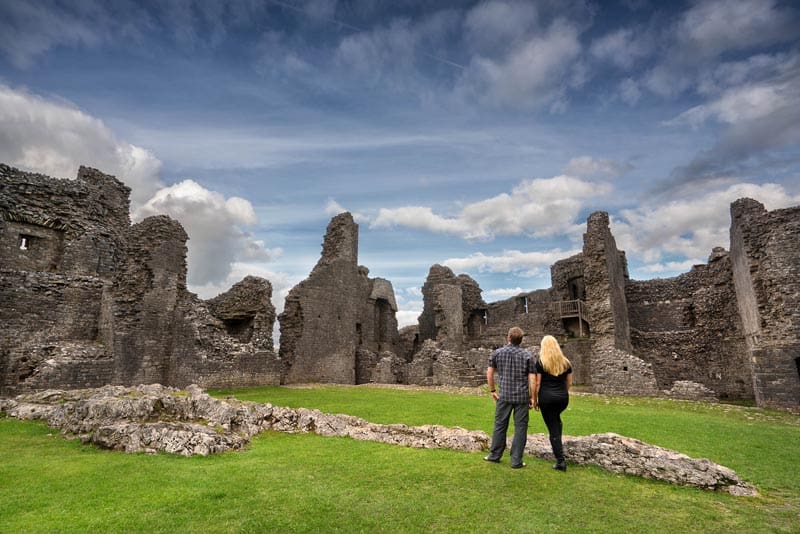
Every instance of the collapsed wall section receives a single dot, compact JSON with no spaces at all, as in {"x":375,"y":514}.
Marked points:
{"x":688,"y":328}
{"x":87,"y":300}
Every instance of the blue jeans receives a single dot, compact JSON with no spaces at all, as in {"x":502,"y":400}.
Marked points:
{"x":502,"y":414}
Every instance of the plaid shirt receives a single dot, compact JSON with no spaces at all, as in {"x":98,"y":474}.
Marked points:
{"x":512,"y":366}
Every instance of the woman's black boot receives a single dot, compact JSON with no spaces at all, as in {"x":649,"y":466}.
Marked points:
{"x":558,"y":452}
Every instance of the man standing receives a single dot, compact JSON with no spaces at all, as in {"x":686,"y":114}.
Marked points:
{"x":513,"y":367}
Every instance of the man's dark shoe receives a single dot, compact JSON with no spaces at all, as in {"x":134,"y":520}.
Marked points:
{"x":490,"y":459}
{"x":520,"y":466}
{"x":560,"y":465}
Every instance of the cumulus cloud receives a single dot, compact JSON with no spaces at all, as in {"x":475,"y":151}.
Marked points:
{"x":511,"y":261}
{"x":689,"y":228}
{"x":540,"y":207}
{"x":54,"y":137}
{"x":214,"y":225}
{"x":333,"y":208}
{"x":503,"y":293}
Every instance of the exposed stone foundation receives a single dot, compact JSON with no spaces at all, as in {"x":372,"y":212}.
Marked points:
{"x":153,"y":418}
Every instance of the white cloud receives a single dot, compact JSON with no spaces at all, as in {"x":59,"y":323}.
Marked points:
{"x":29,"y":29}
{"x":585,"y":166}
{"x":759,"y":118}
{"x":503,"y":293}
{"x":54,"y":138}
{"x":333,"y":208}
{"x":629,"y":91}
{"x":538,"y":208}
{"x":407,"y":317}
{"x":281,"y":282}
{"x":214,"y":225}
{"x":710,"y":30}
{"x":712,"y":27}
{"x":622,"y":48}
{"x":533,"y":74}
{"x":689,"y":228}
{"x":523,"y":263}
{"x":492,"y":25}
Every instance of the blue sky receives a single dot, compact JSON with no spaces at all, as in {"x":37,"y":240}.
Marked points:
{"x":476,"y":134}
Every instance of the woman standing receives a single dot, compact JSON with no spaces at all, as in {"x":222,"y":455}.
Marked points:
{"x":551,"y":382}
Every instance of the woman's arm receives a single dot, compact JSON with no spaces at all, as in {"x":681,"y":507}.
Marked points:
{"x":569,"y":381}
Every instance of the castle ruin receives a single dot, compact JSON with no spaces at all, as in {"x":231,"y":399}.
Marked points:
{"x":87,"y":299}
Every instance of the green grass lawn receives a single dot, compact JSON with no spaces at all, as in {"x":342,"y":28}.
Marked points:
{"x":299,"y":482}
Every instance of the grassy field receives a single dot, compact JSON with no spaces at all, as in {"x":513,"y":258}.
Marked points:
{"x":313,"y":484}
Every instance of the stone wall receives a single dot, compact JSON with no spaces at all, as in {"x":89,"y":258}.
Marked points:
{"x":86,"y":299}
{"x":765,"y":250}
{"x":605,"y":275}
{"x":689,"y":329}
{"x":336,"y":321}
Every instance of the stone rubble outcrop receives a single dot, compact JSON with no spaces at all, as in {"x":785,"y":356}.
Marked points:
{"x":155,"y":418}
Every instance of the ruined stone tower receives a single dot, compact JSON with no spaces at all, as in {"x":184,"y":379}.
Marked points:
{"x":337,"y":321}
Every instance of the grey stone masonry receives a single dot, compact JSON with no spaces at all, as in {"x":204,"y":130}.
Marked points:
{"x":86,"y":299}
{"x":337,"y":320}
{"x":765,"y":248}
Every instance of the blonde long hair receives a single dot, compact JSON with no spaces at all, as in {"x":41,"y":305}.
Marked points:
{"x":553,"y":360}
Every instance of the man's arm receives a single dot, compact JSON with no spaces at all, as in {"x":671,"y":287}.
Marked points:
{"x":531,"y":386}
{"x":537,"y":383}
{"x":490,"y":381}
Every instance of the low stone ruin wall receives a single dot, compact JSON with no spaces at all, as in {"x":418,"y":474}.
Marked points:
{"x":154,"y":418}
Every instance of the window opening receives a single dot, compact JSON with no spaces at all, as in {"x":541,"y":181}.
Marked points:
{"x":24,"y":242}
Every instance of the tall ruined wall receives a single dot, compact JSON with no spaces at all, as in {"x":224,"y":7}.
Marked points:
{"x":336,"y":321}
{"x":765,"y":251}
{"x":688,"y":328}
{"x":614,"y":368}
{"x":605,"y":274}
{"x":436,"y":313}
{"x":86,"y":299}
{"x":318,"y":325}
{"x":146,"y":301}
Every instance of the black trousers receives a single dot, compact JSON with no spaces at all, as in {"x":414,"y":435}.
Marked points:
{"x":551,"y":404}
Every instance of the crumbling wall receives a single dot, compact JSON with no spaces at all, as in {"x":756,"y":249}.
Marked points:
{"x":86,"y":299}
{"x":605,"y":274}
{"x":765,"y":251}
{"x":75,"y":226}
{"x":336,"y":321}
{"x":689,"y":329}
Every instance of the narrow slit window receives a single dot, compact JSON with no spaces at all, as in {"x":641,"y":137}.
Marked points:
{"x":24,"y":242}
